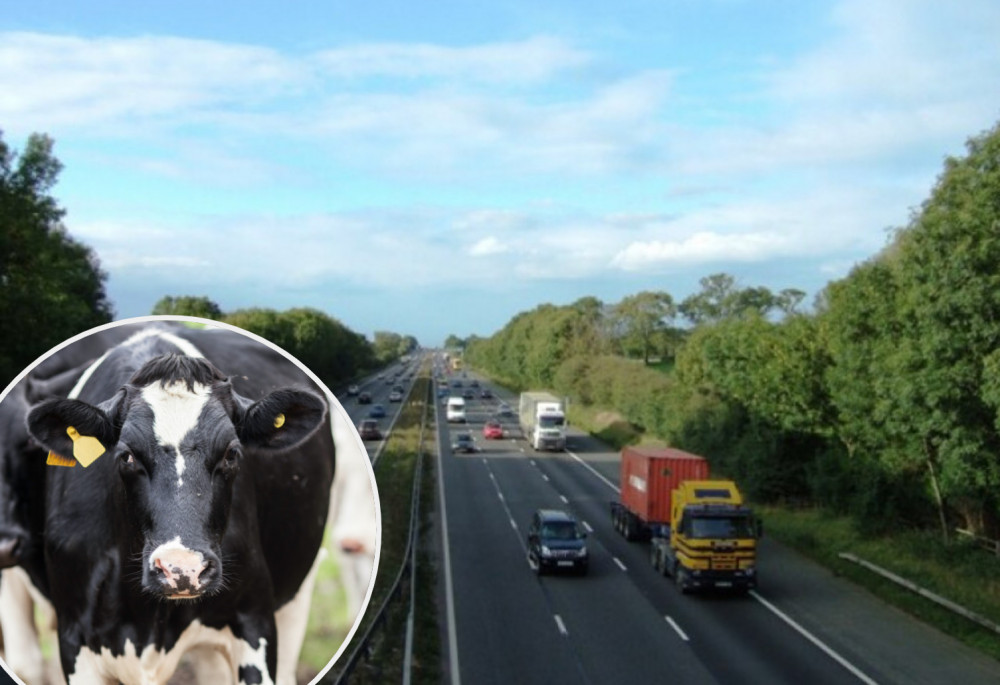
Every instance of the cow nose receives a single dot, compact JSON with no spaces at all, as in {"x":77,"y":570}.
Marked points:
{"x":183,"y":572}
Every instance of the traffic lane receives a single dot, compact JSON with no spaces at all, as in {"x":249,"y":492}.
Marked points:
{"x":505,"y":631}
{"x":380,"y":395}
{"x":735,"y":637}
{"x":856,"y":627}
{"x":615,"y":632}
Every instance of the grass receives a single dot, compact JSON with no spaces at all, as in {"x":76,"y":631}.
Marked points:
{"x":958,"y":571}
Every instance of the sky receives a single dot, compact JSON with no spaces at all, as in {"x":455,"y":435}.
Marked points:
{"x":437,"y":168}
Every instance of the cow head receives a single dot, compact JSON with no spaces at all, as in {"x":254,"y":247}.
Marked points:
{"x":176,"y":436}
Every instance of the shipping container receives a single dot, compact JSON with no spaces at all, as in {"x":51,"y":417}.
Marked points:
{"x":650,"y":474}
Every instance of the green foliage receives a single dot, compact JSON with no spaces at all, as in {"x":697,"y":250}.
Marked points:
{"x":188,"y":305}
{"x":52,"y":285}
{"x":328,"y":348}
{"x":642,"y":318}
{"x":391,"y":346}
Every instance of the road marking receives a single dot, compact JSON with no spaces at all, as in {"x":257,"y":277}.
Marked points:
{"x":595,"y":472}
{"x":813,"y":639}
{"x":587,"y":526}
{"x":561,"y":625}
{"x":545,"y":478}
{"x":620,"y":564}
{"x":677,"y":628}
{"x":563,"y":498}
{"x":532,"y":461}
{"x":500,"y":495}
{"x":513,"y":524}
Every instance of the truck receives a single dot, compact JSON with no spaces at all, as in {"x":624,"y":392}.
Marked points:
{"x":543,"y":420}
{"x":700,"y":531}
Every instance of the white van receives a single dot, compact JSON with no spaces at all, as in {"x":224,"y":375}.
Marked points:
{"x":456,"y":410}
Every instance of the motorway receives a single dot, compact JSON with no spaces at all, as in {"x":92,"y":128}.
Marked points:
{"x":623,"y":622}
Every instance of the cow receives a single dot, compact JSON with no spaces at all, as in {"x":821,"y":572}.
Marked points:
{"x":196,"y":516}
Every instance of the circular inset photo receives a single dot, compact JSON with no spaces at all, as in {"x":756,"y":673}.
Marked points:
{"x":180,"y":501}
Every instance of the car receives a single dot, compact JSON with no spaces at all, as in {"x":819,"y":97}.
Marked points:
{"x":464,"y":442}
{"x":474,"y":383}
{"x":443,"y":392}
{"x":368,"y":429}
{"x":556,"y":542}
{"x":352,"y":390}
{"x":504,"y":410}
{"x":376,"y":412}
{"x":486,"y":394}
{"x":469,"y":394}
{"x":364,"y":398}
{"x":395,"y":396}
{"x":493,"y":430}
{"x":456,"y":383}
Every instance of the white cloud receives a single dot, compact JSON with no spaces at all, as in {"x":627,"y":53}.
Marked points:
{"x":528,"y":61}
{"x":488,"y":246}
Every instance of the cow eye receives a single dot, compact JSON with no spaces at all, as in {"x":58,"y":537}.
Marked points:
{"x":127,"y":458}
{"x":231,"y":455}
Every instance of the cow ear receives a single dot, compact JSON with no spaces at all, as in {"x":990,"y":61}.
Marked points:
{"x":59,"y":423}
{"x":282,"y":420}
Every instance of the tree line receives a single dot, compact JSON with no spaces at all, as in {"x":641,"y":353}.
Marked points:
{"x":52,"y":286}
{"x":883,"y":402}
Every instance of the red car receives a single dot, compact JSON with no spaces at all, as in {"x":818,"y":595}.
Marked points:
{"x":492,"y":430}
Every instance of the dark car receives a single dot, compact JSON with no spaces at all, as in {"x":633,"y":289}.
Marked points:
{"x":364,"y":397}
{"x":486,"y":394}
{"x":556,"y":542}
{"x":368,"y":429}
{"x":474,"y":383}
{"x":464,"y":443}
{"x":376,"y":412}
{"x":469,"y":394}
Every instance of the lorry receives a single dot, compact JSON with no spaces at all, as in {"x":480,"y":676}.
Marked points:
{"x":700,"y":531}
{"x":543,"y":420}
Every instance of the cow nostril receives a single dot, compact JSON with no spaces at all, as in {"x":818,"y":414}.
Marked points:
{"x":209,"y":572}
{"x":160,"y":569}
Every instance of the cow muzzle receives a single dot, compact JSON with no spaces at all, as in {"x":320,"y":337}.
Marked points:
{"x":181,"y":573}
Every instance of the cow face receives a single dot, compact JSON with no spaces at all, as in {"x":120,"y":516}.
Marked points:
{"x":176,"y":437}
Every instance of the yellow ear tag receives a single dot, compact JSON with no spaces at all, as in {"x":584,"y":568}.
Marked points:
{"x":86,"y":448}
{"x":59,"y":460}
{"x":279,"y":420}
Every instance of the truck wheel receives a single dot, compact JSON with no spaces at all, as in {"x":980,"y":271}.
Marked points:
{"x":629,"y":528}
{"x":654,"y":559}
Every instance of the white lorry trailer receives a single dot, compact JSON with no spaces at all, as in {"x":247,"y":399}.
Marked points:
{"x":543,"y":421}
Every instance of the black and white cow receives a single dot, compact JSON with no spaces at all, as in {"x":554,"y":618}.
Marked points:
{"x":198,"y":521}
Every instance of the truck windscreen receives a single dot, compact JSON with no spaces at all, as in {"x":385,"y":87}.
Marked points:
{"x":721,"y":527}
{"x":550,"y":421}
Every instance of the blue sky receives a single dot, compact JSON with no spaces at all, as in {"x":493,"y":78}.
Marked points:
{"x":438,"y":169}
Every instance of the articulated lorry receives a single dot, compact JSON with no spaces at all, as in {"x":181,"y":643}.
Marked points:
{"x":699,"y":529}
{"x":543,"y":421}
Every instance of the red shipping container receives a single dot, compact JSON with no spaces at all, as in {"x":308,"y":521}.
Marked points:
{"x":649,"y":475}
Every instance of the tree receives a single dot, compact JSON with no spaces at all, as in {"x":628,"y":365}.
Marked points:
{"x":51,"y":286}
{"x":188,"y":305}
{"x":643,"y":316}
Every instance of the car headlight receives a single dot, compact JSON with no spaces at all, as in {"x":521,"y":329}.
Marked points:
{"x":546,"y":552}
{"x":582,"y":552}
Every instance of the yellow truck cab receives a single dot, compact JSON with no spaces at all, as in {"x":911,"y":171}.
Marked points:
{"x":712,"y":538}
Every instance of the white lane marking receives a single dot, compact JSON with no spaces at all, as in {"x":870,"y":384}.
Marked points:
{"x":587,"y":526}
{"x":813,"y":639}
{"x":677,"y":628}
{"x":533,"y":462}
{"x":500,"y":495}
{"x":595,"y":472}
{"x":620,"y":564}
{"x":560,"y":624}
{"x":545,"y":478}
{"x":513,"y":524}
{"x":563,"y":498}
